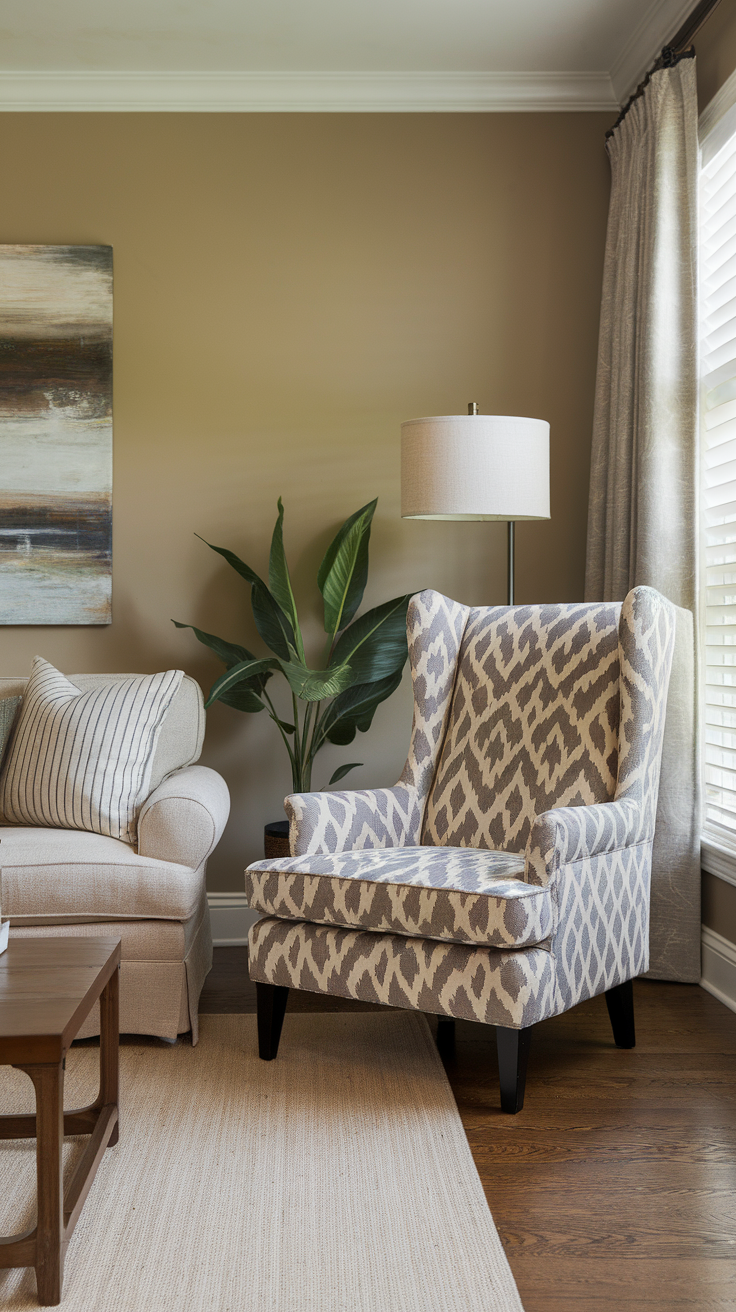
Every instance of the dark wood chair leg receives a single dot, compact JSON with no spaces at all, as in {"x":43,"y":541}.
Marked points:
{"x":445,"y":1037}
{"x":271,"y":1002}
{"x":620,"y":1003}
{"x":512,"y":1047}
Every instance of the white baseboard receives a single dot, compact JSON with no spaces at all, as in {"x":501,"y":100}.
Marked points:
{"x":231,"y":919}
{"x":719,"y":967}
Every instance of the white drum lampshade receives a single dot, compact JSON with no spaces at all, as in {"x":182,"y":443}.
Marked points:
{"x":476,"y":467}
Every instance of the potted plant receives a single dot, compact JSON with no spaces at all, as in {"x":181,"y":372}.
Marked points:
{"x":362,"y":663}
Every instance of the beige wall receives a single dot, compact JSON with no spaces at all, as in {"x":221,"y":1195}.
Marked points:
{"x":288,"y":288}
{"x":719,"y":906}
{"x":715,"y":48}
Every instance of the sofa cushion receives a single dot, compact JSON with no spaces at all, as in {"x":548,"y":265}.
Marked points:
{"x":140,"y":940}
{"x":58,"y":875}
{"x":182,"y":732}
{"x":459,"y":895}
{"x":82,"y":760}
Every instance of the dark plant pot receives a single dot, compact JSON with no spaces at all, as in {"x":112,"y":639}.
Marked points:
{"x":276,"y":840}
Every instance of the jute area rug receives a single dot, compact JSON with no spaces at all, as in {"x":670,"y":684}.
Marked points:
{"x":336,"y":1178}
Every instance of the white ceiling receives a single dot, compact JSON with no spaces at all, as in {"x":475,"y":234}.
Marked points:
{"x":587,"y":52}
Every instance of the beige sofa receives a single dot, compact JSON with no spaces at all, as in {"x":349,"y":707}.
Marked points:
{"x":63,"y":881}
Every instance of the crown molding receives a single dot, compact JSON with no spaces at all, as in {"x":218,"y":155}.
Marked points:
{"x":656,"y":28}
{"x":24,"y":92}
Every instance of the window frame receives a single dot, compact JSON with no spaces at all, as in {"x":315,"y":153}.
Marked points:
{"x":716,"y":126}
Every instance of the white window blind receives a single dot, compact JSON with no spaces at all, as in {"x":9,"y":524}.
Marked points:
{"x":718,"y":429}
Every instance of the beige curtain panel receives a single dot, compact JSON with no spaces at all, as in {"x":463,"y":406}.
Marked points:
{"x":642,"y":518}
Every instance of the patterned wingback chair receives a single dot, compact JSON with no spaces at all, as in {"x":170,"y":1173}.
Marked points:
{"x":506,"y":876}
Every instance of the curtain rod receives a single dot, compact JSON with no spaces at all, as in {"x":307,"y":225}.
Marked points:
{"x":675,"y":50}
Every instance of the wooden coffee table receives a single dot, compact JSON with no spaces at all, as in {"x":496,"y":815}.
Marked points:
{"x":47,"y":988}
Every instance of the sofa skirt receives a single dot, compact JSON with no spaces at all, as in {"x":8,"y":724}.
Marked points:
{"x":164,"y":964}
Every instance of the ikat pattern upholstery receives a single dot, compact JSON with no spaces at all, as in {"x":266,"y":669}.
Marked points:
{"x":534,"y":723}
{"x":513,"y":988}
{"x":458,"y":894}
{"x":601,"y":940}
{"x":589,"y":846}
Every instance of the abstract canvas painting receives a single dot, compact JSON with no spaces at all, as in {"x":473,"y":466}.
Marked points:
{"x":55,"y":434}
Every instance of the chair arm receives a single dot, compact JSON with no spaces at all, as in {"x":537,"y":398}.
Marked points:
{"x":576,"y":833}
{"x":340,"y":822}
{"x":184,"y":817}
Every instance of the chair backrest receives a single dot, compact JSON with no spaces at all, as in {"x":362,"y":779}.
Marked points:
{"x":182,"y":732}
{"x":533,"y":723}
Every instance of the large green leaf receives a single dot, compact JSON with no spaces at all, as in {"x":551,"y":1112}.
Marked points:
{"x":280,"y":582}
{"x":375,"y":644}
{"x":344,"y":570}
{"x":230,"y":653}
{"x":315,"y":685}
{"x":338,"y":582}
{"x":243,"y":672}
{"x":342,"y":770}
{"x":243,"y":698}
{"x":354,"y":709}
{"x":272,"y":624}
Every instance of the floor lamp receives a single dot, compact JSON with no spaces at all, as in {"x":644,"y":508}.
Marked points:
{"x":476,"y":467}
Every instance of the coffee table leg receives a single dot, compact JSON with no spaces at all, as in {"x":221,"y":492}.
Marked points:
{"x":49,"y":1085}
{"x":109,"y":1047}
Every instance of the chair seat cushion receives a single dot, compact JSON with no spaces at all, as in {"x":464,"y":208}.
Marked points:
{"x":68,"y":875}
{"x":454,"y":894}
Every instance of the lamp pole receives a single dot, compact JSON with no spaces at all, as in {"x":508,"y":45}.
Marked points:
{"x":473,"y":410}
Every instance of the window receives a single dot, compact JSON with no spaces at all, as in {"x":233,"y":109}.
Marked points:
{"x":718,"y":434}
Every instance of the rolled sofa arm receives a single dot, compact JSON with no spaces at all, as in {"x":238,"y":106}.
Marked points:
{"x":341,"y":822}
{"x":184,"y":817}
{"x":573,"y":833}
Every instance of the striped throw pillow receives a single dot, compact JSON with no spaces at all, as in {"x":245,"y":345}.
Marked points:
{"x":82,"y":760}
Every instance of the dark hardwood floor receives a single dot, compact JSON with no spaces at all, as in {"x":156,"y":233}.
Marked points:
{"x":615,"y":1187}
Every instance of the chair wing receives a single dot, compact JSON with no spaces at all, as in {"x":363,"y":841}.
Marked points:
{"x":392,"y":817}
